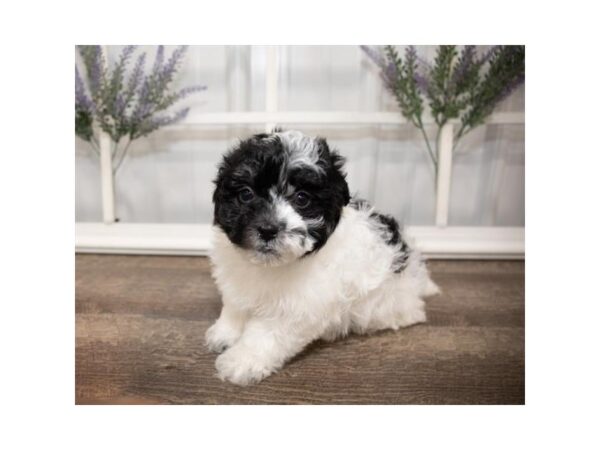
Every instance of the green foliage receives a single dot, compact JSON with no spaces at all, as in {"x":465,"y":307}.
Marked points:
{"x":461,"y":86}
{"x":84,"y":125}
{"x":506,"y":71}
{"x":405,"y":87}
{"x":126,"y":109}
{"x":441,"y":98}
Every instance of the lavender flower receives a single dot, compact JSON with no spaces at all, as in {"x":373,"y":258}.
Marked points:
{"x":465,"y":64}
{"x":389,"y":72}
{"x":132,"y":85}
{"x":120,"y":104}
{"x":488,"y":54}
{"x":182,"y":93}
{"x":389,"y":75}
{"x":115,"y":95}
{"x":161,"y":121}
{"x":119,"y":70}
{"x":84,"y":110}
{"x":143,"y":104}
{"x":127,"y":52}
{"x":158,"y":60}
{"x":422,"y":82}
{"x":464,"y":89}
{"x":136,"y":75}
{"x":132,"y":107}
{"x":82,"y":101}
{"x":169,"y":68}
{"x":509,"y":88}
{"x":95,"y":70}
{"x":157,"y":81}
{"x":412,"y":64}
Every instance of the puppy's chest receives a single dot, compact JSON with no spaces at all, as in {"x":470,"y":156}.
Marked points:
{"x":292,"y":280}
{"x":294,"y":286}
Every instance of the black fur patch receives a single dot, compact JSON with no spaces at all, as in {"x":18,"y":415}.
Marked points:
{"x":261,"y":164}
{"x":391,"y":233}
{"x":401,"y":257}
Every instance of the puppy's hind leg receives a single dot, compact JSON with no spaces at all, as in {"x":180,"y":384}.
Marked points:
{"x":389,"y":307}
{"x":430,"y":289}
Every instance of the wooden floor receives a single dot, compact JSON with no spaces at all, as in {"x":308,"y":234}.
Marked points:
{"x":140,"y":322}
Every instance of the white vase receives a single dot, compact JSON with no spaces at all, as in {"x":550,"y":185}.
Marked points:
{"x":444,"y":174}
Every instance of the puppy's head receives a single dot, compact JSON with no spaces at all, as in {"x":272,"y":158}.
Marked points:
{"x":279,"y":196}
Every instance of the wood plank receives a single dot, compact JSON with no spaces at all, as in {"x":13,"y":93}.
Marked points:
{"x":140,"y":322}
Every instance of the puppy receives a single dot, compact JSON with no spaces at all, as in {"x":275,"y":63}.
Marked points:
{"x":297,"y":260}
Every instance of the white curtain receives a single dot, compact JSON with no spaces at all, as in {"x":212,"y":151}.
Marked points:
{"x":167,"y":177}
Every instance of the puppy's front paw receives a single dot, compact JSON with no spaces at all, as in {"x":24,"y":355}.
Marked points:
{"x":240,"y":366}
{"x":221,"y":336}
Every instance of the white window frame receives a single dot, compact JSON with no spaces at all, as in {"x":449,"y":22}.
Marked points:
{"x":184,"y":239}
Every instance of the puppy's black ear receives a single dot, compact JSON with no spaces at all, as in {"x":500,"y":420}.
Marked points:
{"x":337,"y":161}
{"x":333,"y":163}
{"x":222,"y":169}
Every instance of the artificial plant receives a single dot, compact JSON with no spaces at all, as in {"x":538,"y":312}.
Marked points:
{"x":126,"y":108}
{"x":461,"y":85}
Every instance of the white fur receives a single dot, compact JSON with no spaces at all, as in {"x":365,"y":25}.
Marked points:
{"x":302,"y":150}
{"x":290,"y":244}
{"x":271,"y":312}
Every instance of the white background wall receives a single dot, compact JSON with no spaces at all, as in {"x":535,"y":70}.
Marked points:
{"x":167,"y":176}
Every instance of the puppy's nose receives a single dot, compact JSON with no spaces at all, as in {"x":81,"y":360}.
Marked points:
{"x":268,"y":232}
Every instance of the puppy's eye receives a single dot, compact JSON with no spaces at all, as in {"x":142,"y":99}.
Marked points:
{"x":246,"y":195}
{"x":301,"y":199}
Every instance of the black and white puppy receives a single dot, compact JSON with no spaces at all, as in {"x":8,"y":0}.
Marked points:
{"x":297,"y":260}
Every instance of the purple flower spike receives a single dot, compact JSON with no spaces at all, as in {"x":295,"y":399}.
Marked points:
{"x":82,"y":101}
{"x":168,"y":70}
{"x":158,"y":60}
{"x":189,"y":90}
{"x":136,"y":74}
{"x":487,"y":55}
{"x":422,"y":82}
{"x":411,"y":53}
{"x":161,"y":121}
{"x":96,"y":70}
{"x":466,"y":61}
{"x":506,"y":91}
{"x":132,"y":106}
{"x":389,"y":72}
{"x":390,"y":75}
